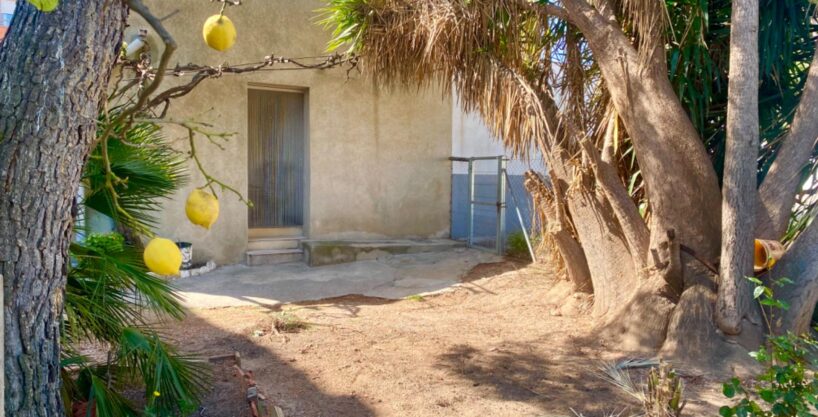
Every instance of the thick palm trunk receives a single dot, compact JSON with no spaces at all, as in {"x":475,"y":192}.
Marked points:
{"x":54,"y":71}
{"x":739,"y":200}
{"x":654,"y":284}
{"x":550,"y":206}
{"x":800,"y":265}
{"x":664,"y":137}
{"x":612,"y":270}
{"x":674,"y":163}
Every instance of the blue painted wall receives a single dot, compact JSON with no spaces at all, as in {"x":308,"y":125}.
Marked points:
{"x":485,"y":217}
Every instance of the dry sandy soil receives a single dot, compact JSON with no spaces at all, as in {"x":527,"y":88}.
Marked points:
{"x":509,"y":342}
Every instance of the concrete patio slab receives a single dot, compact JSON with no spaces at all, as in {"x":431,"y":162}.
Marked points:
{"x":392,"y":276}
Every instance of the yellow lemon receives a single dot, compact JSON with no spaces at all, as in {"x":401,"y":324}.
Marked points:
{"x":219,"y":32}
{"x":45,"y":5}
{"x":163,"y":257}
{"x":202,"y":208}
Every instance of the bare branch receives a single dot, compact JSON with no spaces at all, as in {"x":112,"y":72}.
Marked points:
{"x":170,"y":48}
{"x":555,"y":11}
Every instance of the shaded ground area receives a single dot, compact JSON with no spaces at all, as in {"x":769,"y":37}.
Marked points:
{"x":391,"y":276}
{"x":507,"y":342}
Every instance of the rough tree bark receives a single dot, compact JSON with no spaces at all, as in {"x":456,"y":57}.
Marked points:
{"x":552,"y":213}
{"x":54,"y":71}
{"x":739,"y":189}
{"x":666,"y":142}
{"x":800,"y":265}
{"x":663,"y":135}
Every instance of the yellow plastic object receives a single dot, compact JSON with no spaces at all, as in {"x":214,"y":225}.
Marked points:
{"x":219,"y":32}
{"x":163,"y":257}
{"x":767,"y":253}
{"x":202,"y":208}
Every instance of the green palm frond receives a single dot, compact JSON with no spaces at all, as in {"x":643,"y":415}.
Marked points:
{"x":698,"y":60}
{"x":110,"y":297}
{"x":349,"y":20}
{"x":173,"y":382}
{"x":108,"y":402}
{"x":147,"y":170}
{"x":108,"y":287}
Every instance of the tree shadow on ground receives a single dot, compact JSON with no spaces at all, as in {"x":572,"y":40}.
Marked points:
{"x":279,"y":379}
{"x":517,"y":373}
{"x":349,"y":305}
{"x":486,"y":270}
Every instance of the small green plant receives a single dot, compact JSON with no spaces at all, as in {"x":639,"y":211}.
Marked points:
{"x":786,"y":387}
{"x":516,"y":246}
{"x":285,"y":322}
{"x":416,"y":297}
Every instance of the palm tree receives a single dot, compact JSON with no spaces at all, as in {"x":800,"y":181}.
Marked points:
{"x":627,"y":102}
{"x":111,"y":300}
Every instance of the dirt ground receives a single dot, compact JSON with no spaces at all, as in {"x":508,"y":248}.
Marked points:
{"x":509,"y":342}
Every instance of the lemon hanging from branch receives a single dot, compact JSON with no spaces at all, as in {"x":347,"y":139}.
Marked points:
{"x":202,"y":208}
{"x":162,"y":257}
{"x":219,"y":32}
{"x":45,"y":5}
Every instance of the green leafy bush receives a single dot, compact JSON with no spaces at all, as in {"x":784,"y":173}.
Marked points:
{"x":787,"y":387}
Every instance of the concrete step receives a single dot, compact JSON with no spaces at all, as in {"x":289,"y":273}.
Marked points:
{"x":274,"y":256}
{"x":275,"y":243}
{"x":330,"y":252}
{"x":277,"y":232}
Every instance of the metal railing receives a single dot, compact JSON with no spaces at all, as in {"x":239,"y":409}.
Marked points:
{"x":503,"y":187}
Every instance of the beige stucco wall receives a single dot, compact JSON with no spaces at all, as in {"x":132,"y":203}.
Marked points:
{"x":377,"y":161}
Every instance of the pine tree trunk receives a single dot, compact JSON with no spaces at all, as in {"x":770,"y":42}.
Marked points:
{"x":739,"y":189}
{"x":54,"y":71}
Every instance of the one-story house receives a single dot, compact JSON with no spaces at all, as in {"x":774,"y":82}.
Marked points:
{"x":325,"y":155}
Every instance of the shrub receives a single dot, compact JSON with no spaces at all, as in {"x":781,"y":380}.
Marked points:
{"x":787,"y":386}
{"x":516,"y":246}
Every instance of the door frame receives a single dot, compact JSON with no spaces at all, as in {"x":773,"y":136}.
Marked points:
{"x":305,"y":91}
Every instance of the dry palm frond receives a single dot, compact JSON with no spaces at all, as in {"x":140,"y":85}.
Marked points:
{"x":649,"y":21}
{"x":542,"y":198}
{"x":494,"y":53}
{"x":610,"y":414}
{"x":530,"y":76}
{"x":617,"y":373}
{"x":662,"y":395}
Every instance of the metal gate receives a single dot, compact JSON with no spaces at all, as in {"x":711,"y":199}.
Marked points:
{"x":487,"y":189}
